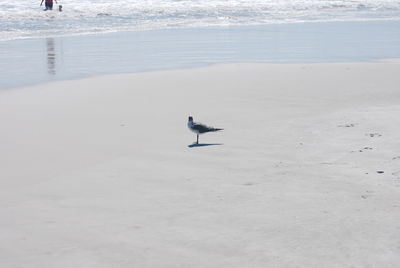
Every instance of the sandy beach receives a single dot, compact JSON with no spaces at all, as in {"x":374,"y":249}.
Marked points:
{"x":98,"y":172}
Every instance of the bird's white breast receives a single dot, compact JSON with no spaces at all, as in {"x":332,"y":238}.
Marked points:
{"x":190,"y":125}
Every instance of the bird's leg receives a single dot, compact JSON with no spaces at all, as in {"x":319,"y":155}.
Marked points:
{"x":197,"y":142}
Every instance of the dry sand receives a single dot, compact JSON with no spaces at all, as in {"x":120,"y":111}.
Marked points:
{"x":98,"y":173}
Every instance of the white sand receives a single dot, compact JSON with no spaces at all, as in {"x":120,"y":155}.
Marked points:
{"x":98,"y":172}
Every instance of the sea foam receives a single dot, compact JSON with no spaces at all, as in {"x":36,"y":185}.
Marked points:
{"x":25,"y":19}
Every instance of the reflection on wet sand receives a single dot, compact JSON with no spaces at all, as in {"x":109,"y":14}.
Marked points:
{"x":51,"y":56}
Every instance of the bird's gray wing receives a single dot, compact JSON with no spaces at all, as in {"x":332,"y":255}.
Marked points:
{"x":201,"y":128}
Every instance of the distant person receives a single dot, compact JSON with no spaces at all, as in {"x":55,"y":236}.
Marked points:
{"x":48,"y":4}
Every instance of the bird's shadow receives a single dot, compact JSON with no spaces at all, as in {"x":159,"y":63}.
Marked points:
{"x":203,"y":144}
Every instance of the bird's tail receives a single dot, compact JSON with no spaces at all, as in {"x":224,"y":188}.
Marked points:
{"x":216,"y":129}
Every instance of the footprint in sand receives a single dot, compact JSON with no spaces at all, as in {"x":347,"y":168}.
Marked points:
{"x":367,"y":195}
{"x":364,"y":149}
{"x":372,"y":135}
{"x":347,"y":125}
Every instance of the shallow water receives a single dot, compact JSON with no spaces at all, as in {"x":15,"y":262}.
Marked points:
{"x":31,"y":61}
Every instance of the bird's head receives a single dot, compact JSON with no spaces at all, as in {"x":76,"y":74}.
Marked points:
{"x":190,"y":119}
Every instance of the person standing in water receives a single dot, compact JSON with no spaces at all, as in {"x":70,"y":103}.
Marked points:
{"x":48,"y":4}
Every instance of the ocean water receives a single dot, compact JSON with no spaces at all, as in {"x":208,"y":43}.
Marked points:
{"x":37,"y":60}
{"x":26,"y":19}
{"x":96,"y":37}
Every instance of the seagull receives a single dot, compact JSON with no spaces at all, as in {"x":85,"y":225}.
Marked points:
{"x":199,"y":128}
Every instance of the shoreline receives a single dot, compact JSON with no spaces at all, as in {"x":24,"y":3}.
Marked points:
{"x":46,"y":84}
{"x":98,"y":172}
{"x":201,"y":28}
{"x":73,"y":57}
